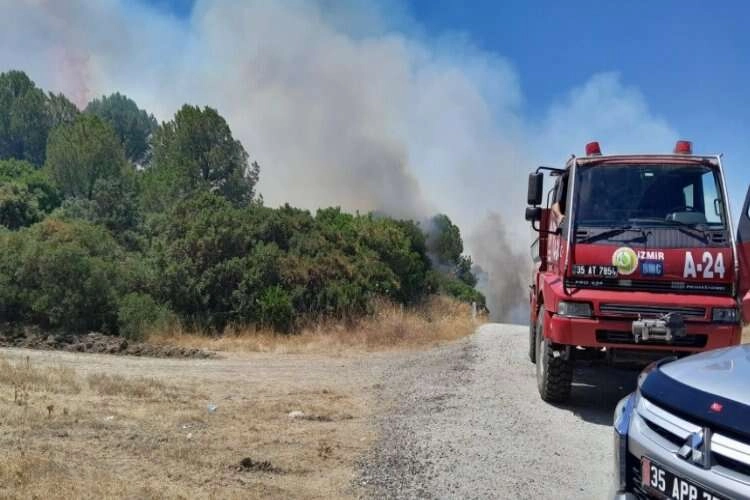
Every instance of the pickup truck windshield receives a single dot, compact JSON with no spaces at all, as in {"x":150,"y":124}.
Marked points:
{"x":643,"y":195}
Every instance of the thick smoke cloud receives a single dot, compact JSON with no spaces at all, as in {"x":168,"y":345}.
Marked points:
{"x":340,"y":105}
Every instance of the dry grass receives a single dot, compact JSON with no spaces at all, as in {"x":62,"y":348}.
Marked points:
{"x":442,"y":319}
{"x":23,"y":377}
{"x":138,"y":387}
{"x":80,"y":433}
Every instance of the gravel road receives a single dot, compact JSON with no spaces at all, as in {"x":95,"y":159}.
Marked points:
{"x":466,"y":421}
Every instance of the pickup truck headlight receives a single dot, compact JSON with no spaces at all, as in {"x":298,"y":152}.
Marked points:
{"x":575,"y":309}
{"x":623,"y":416}
{"x":726,"y":315}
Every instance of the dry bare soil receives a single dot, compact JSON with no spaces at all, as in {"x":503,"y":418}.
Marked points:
{"x":98,"y":426}
{"x":280,"y":417}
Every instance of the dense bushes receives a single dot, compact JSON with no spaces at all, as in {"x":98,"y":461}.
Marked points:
{"x":61,"y":275}
{"x":221,"y":264}
{"x":129,"y":225}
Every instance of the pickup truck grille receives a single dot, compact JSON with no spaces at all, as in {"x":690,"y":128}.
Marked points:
{"x":634,"y":478}
{"x":728,"y":456}
{"x":635,"y":310}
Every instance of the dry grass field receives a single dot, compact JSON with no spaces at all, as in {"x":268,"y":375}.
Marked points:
{"x":100,"y":426}
{"x":391,"y":327}
{"x":80,"y":426}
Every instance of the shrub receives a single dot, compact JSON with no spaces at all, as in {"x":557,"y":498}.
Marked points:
{"x":61,"y":275}
{"x":275,"y":309}
{"x":138,"y":313}
{"x":458,"y":289}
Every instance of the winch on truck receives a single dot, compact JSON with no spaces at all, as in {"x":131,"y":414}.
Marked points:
{"x":635,"y":259}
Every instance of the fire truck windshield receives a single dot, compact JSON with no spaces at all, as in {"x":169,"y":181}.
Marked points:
{"x":644,"y":195}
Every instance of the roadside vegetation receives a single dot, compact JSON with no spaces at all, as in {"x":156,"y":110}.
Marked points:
{"x":112,"y":222}
{"x":440,"y":319}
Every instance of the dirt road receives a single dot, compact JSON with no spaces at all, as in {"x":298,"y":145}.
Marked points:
{"x":466,"y":422}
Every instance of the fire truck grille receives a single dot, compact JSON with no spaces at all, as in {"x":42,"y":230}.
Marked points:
{"x":626,"y":338}
{"x":680,"y":287}
{"x":643,"y":310}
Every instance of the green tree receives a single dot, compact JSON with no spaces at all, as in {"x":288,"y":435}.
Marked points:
{"x":82,"y":154}
{"x":13,"y":169}
{"x":444,"y":240}
{"x":114,"y":205}
{"x":61,"y":110}
{"x":24,"y":120}
{"x":26,"y":194}
{"x":196,"y":152}
{"x":464,"y":272}
{"x":132,"y":125}
{"x":18,"y":207}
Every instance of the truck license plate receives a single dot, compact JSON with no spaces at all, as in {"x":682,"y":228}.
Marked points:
{"x":658,"y":480}
{"x":595,"y":271}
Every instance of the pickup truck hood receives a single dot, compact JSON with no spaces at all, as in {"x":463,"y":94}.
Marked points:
{"x":723,"y":372}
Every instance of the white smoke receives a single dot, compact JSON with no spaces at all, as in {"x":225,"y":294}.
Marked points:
{"x":339,"y":104}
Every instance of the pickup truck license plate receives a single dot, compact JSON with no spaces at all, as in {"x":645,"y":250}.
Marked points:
{"x":664,"y":483}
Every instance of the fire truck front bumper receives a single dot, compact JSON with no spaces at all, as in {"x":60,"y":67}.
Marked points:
{"x":627,"y":334}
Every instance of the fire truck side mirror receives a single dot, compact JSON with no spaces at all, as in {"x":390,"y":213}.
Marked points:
{"x":533,"y":214}
{"x":536,"y":186}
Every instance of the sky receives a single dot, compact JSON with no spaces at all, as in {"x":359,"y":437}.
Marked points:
{"x":411,"y":107}
{"x":689,"y":59}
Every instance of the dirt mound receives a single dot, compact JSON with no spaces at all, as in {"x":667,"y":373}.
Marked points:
{"x":95,"y":343}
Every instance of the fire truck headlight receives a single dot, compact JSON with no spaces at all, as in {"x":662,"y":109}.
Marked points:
{"x":574,"y":309}
{"x":726,"y":315}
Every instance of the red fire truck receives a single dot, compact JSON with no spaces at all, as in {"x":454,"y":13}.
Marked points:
{"x":635,"y":259}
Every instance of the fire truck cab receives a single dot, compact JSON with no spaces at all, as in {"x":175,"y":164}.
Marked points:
{"x":635,"y":259}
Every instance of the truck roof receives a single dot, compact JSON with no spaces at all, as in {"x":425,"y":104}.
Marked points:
{"x":674,"y":159}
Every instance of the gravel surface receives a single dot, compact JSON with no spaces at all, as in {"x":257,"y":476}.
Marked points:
{"x":466,"y":421}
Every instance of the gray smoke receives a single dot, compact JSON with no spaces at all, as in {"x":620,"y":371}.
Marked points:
{"x":505,"y":272}
{"x":341,"y":104}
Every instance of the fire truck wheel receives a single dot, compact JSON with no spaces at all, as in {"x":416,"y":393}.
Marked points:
{"x":532,"y":340}
{"x":554,"y":375}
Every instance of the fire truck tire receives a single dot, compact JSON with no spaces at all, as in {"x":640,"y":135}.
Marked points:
{"x":532,"y":341}
{"x":554,"y":375}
